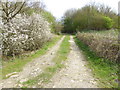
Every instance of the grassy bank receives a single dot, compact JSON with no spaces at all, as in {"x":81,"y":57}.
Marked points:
{"x":104,"y":70}
{"x":60,"y":57}
{"x":16,"y":65}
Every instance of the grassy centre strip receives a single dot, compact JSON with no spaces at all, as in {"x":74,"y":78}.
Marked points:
{"x":58,"y":60}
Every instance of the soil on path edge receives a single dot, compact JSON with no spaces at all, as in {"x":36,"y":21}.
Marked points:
{"x":76,"y":74}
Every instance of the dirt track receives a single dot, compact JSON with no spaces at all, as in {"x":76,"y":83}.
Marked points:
{"x":76,"y":74}
{"x":32,"y":69}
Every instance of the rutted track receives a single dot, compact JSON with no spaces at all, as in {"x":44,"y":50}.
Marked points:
{"x":76,"y":74}
{"x":32,"y":69}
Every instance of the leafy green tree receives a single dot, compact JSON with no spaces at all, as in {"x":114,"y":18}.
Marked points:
{"x":90,"y":17}
{"x":50,"y":18}
{"x":68,"y":26}
{"x":58,"y":27}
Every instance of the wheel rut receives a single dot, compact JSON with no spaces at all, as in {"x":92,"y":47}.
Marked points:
{"x":76,"y":74}
{"x":32,"y":69}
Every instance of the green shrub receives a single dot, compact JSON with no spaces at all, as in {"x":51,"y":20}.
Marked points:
{"x":108,"y":23}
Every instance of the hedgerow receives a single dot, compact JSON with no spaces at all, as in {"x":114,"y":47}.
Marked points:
{"x":24,"y":33}
{"x":103,"y":46}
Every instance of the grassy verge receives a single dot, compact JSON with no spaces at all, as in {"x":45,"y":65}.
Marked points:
{"x":104,"y":70}
{"x":60,"y":57}
{"x":17,"y":64}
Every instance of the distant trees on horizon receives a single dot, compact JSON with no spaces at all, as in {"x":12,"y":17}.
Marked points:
{"x":90,"y":17}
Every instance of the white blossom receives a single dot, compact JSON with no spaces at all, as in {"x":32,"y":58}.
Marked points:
{"x":24,"y":33}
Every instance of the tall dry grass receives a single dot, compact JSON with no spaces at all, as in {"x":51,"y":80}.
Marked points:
{"x":104,"y":45}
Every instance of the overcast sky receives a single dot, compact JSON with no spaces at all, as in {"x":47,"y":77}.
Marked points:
{"x":58,"y":7}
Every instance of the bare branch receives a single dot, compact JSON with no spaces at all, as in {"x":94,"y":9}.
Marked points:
{"x":15,"y":7}
{"x":17,"y":11}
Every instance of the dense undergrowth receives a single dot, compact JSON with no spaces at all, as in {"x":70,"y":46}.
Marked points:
{"x":103,"y":43}
{"x":16,"y":64}
{"x":60,"y":57}
{"x":104,"y":70}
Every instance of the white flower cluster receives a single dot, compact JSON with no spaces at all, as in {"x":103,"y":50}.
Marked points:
{"x":24,"y":33}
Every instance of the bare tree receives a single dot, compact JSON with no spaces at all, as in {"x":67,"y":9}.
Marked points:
{"x":106,"y":10}
{"x":70,"y":12}
{"x":11,"y":9}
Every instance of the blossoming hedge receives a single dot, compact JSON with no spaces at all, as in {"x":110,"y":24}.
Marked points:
{"x":24,"y":33}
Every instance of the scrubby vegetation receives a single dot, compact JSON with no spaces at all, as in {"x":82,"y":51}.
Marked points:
{"x":105,"y":45}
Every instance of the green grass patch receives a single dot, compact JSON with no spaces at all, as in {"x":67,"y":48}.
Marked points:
{"x":60,"y":57}
{"x":104,"y":70}
{"x":17,"y":64}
